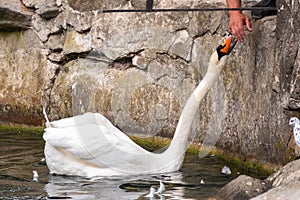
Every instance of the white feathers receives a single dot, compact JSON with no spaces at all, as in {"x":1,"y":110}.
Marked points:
{"x":295,"y":122}
{"x":35,"y":176}
{"x":226,"y":170}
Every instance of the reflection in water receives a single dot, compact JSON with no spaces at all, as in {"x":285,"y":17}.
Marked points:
{"x":118,"y":187}
{"x":22,"y":153}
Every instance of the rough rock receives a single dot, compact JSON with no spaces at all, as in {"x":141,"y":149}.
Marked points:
{"x":288,"y":56}
{"x":285,"y":183}
{"x":47,"y":10}
{"x":90,"y":5}
{"x":243,"y":187}
{"x":141,"y":4}
{"x":289,"y":174}
{"x":57,"y":57}
{"x":30,"y":3}
{"x":77,"y":43}
{"x":14,"y":16}
{"x":23,"y":78}
{"x":290,"y":192}
{"x":288,"y":60}
{"x":81,"y":22}
{"x":56,"y":42}
{"x":45,"y":28}
{"x":250,"y":77}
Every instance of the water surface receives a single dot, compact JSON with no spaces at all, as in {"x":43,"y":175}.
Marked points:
{"x":21,"y":153}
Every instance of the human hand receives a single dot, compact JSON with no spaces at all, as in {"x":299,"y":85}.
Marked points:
{"x":236,"y":25}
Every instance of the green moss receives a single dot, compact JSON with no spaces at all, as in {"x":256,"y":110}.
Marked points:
{"x":250,"y":167}
{"x":6,"y":34}
{"x":289,"y":153}
{"x":151,"y":143}
{"x":14,"y":128}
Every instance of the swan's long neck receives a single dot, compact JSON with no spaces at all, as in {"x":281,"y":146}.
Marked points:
{"x":178,"y":145}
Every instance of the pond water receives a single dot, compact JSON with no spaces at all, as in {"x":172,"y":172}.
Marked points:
{"x":21,"y":153}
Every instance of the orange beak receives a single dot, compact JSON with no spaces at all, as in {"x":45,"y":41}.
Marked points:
{"x":226,"y":45}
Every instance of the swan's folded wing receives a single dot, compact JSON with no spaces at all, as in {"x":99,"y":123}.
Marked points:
{"x":87,"y":118}
{"x":93,"y":143}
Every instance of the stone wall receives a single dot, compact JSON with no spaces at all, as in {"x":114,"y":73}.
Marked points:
{"x":138,"y":69}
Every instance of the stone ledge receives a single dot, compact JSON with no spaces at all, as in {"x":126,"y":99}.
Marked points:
{"x":14,"y":16}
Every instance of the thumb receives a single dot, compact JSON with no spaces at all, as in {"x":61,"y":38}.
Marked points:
{"x":248,"y":24}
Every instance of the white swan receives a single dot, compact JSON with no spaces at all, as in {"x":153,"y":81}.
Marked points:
{"x":89,"y":145}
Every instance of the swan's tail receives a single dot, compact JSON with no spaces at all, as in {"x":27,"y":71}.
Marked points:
{"x":46,"y":117}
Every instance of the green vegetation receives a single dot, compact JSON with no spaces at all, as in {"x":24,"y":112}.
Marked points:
{"x":5,"y":34}
{"x":236,"y":164}
{"x":151,"y":143}
{"x":13,"y":128}
{"x":250,"y":167}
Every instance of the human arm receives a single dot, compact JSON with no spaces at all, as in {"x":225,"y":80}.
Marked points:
{"x":237,"y":20}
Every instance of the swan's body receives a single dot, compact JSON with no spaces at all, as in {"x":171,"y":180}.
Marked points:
{"x":295,"y":122}
{"x":89,"y":145}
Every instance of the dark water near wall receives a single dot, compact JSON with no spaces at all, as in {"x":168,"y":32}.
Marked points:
{"x":21,"y":153}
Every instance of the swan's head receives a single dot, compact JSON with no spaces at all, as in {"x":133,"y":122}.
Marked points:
{"x":227,"y":46}
{"x":293,"y":121}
